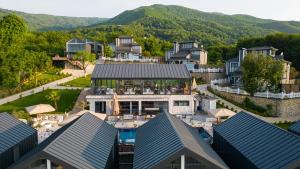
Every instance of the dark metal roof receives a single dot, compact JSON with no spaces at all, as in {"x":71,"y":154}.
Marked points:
{"x":295,"y":128}
{"x":262,"y":48}
{"x":165,"y":137}
{"x":12,"y":131}
{"x":85,"y":143}
{"x":140,"y":71}
{"x":263,"y":144}
{"x":233,"y":60}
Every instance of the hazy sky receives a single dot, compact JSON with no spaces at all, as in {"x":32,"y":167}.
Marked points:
{"x":271,"y":9}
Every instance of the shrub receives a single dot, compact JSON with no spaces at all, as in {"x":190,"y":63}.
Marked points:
{"x":251,"y":105}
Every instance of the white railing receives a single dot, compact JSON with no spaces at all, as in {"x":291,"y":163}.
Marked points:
{"x":143,"y":60}
{"x":208,"y":70}
{"x":219,"y":81}
{"x":266,"y":94}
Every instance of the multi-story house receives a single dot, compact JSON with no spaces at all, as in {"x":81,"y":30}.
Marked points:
{"x":75,"y":45}
{"x":233,"y":66}
{"x":141,"y":89}
{"x":127,"y":48}
{"x":188,"y":53}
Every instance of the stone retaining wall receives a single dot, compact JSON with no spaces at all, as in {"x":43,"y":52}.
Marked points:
{"x":207,"y":77}
{"x":284,"y":108}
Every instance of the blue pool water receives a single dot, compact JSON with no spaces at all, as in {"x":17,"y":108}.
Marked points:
{"x":127,"y":136}
{"x":204,"y":135}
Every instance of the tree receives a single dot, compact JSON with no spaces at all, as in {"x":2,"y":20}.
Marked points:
{"x":12,"y":29}
{"x":261,"y":72}
{"x":85,"y":58}
{"x":108,"y":51}
{"x":54,"y":97}
{"x":146,"y":53}
{"x":20,"y":114}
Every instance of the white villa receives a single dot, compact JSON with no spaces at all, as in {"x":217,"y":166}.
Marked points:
{"x":127,"y":48}
{"x":188,"y":53}
{"x":141,"y":89}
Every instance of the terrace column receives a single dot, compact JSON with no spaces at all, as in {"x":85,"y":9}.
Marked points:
{"x":48,"y":164}
{"x":140,"y":108}
{"x":92,"y":105}
{"x":130,"y":107}
{"x":182,"y":162}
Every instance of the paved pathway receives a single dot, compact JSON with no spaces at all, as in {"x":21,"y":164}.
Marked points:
{"x":81,"y":97}
{"x":203,"y":89}
{"x":51,"y":85}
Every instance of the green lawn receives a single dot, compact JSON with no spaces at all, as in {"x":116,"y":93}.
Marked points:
{"x":284,"y":125}
{"x":79,"y":82}
{"x":42,"y":78}
{"x":66,"y":102}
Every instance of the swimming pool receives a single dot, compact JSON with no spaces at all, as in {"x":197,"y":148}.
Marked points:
{"x":204,"y":135}
{"x":127,"y":136}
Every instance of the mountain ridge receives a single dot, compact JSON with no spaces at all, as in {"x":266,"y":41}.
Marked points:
{"x":166,"y":21}
{"x":45,"y":22}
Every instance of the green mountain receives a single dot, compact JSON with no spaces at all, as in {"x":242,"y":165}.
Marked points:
{"x":42,"y":22}
{"x":180,"y":23}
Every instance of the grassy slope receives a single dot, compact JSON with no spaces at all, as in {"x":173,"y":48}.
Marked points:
{"x":43,"y":22}
{"x":66,"y":102}
{"x":80,"y":82}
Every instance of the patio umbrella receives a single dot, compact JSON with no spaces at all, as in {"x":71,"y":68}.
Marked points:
{"x":222,"y":113}
{"x":39,"y":108}
{"x":194,"y":85}
{"x":116,"y":109}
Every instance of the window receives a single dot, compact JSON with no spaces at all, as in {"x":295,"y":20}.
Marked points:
{"x":181,"y":103}
{"x":233,"y":67}
{"x":100,"y":107}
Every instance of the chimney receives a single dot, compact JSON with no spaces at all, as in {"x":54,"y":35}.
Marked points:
{"x":242,"y":54}
{"x":176,"y":47}
{"x":117,"y":42}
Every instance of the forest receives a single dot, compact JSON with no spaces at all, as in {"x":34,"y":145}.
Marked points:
{"x":25,"y":53}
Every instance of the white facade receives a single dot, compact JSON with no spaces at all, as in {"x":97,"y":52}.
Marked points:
{"x":208,"y":104}
{"x":177,"y":104}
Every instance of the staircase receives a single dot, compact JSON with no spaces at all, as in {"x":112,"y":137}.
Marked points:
{"x":75,"y":63}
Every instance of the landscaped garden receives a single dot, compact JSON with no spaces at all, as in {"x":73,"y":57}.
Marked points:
{"x":40,"y":79}
{"x":284,"y":125}
{"x":65,"y":103}
{"x":79,"y":82}
{"x":248,"y":105}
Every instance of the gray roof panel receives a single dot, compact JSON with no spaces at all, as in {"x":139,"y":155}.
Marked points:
{"x":295,"y":128}
{"x":12,"y":131}
{"x":140,"y":71}
{"x":164,"y":136}
{"x":84,"y":143}
{"x":264,"y":144}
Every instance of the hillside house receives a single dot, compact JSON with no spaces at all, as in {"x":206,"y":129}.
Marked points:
{"x":233,"y":66}
{"x":188,"y":53}
{"x":75,"y":45}
{"x":127,"y":48}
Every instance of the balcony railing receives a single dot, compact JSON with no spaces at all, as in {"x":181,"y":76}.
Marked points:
{"x":146,"y":91}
